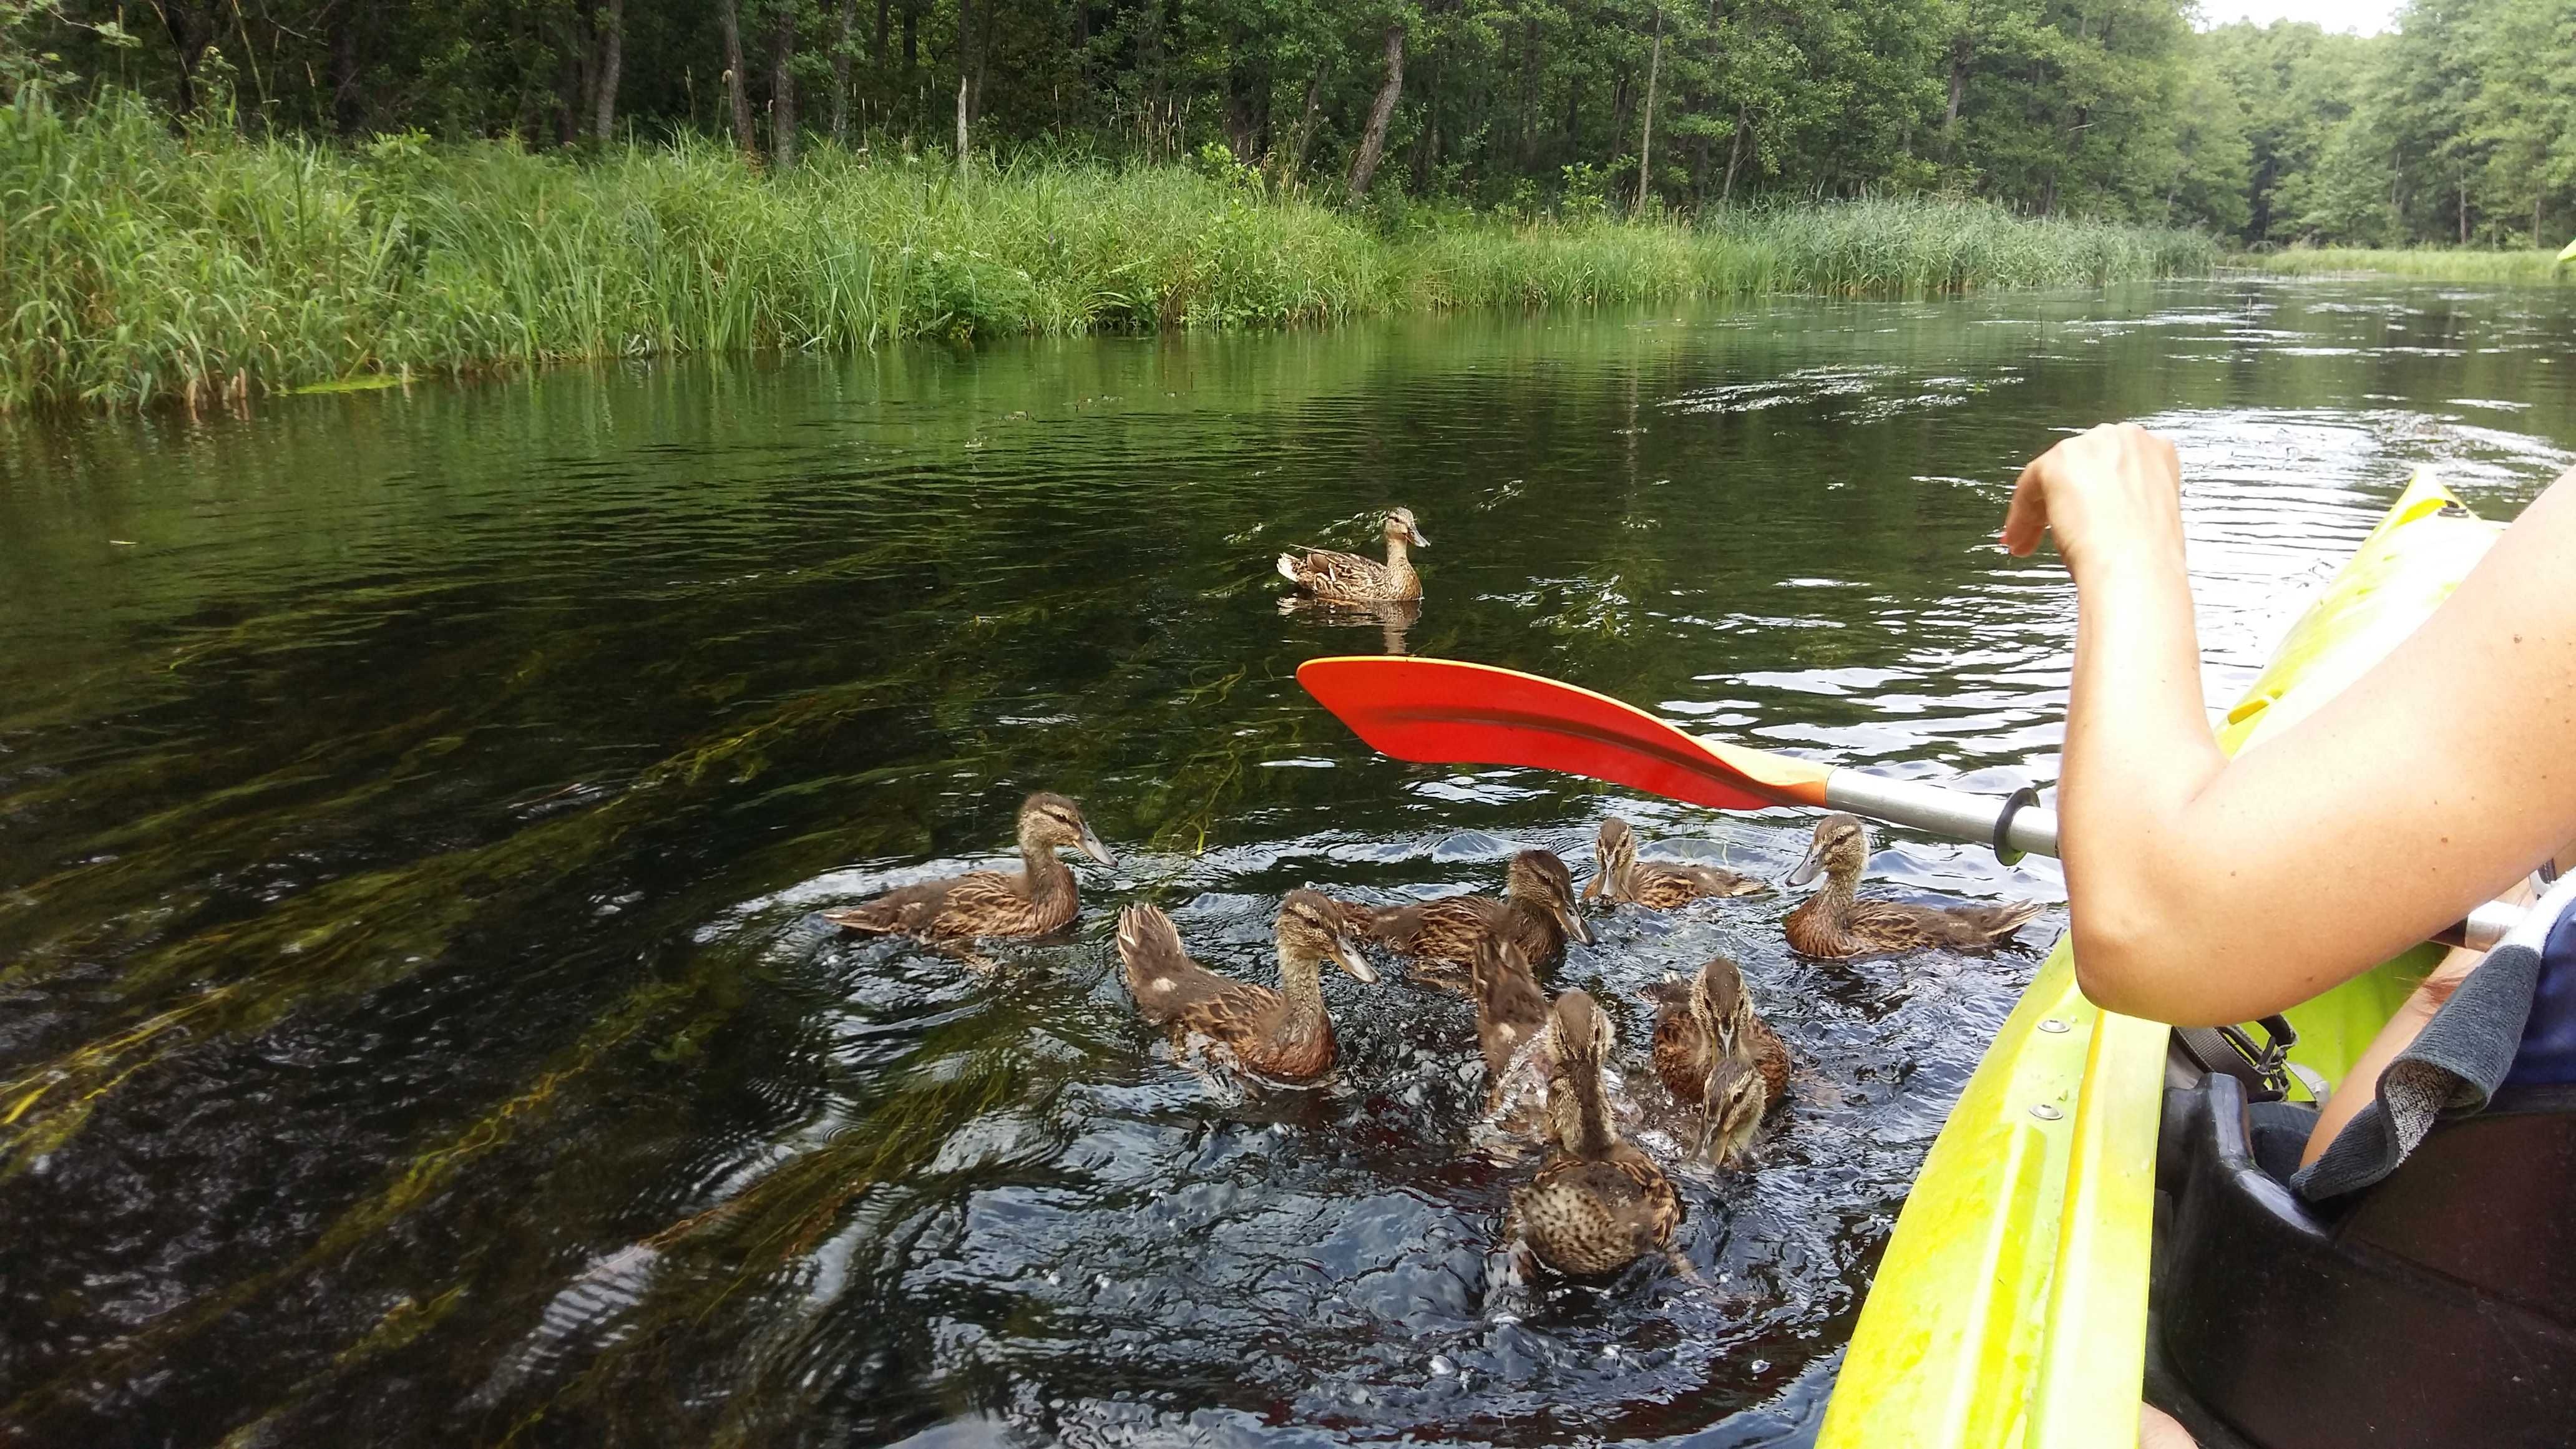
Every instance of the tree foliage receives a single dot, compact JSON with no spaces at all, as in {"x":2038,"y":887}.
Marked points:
{"x":2460,"y":125}
{"x":2081,"y":106}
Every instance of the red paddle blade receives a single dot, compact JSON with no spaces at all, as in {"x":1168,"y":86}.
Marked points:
{"x":1442,"y":711}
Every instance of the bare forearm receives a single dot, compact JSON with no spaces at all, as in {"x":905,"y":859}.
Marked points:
{"x":2138,"y":754}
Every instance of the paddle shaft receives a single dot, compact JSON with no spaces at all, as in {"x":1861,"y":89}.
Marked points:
{"x":1956,"y":814}
{"x":1959,"y":815}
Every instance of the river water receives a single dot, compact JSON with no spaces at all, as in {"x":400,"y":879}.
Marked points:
{"x":415,"y":1026}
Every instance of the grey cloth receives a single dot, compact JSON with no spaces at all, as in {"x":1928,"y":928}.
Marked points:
{"x":2452,"y":1069}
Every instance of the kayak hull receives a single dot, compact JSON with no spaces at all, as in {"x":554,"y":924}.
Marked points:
{"x":2011,"y":1306}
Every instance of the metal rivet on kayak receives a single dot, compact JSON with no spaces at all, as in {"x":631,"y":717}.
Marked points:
{"x":2050,"y":1023}
{"x":2046,"y":1113}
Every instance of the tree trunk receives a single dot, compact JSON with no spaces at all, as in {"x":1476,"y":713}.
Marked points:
{"x":1963,"y":53}
{"x":191,"y":32}
{"x":1735,"y":153}
{"x":962,"y":153}
{"x":1646,"y":137}
{"x":1306,"y":123}
{"x":612,"y":61}
{"x":1381,"y":113}
{"x":782,"y":87}
{"x":841,"y":68}
{"x":2464,"y":208}
{"x":967,"y":63}
{"x":737,"y":85}
{"x":2535,"y":221}
{"x":348,"y":97}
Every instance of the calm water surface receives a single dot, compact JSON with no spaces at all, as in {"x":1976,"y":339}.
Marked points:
{"x":414,"y":1022}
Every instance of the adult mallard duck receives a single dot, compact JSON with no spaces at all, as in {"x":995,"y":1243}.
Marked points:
{"x":1536,"y":914}
{"x":1283,"y":1035}
{"x":1706,"y":1023}
{"x":1836,"y":922}
{"x":1351,"y":579}
{"x":1598,"y":1204}
{"x":1619,"y":877}
{"x":1036,"y":899}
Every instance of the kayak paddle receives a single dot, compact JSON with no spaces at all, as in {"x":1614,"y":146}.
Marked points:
{"x":1444,"y":711}
{"x":1448,"y":712}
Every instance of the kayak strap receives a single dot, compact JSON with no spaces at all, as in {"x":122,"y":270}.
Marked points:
{"x":2232,"y":1051}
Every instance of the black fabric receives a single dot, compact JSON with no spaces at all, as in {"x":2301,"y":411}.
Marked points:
{"x":2280,"y":1133}
{"x":2452,"y":1069}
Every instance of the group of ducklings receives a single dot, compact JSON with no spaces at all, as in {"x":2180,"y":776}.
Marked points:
{"x":1597,"y":1202}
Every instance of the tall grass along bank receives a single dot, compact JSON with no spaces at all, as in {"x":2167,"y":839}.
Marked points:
{"x":2527,"y":267}
{"x":138,"y":266}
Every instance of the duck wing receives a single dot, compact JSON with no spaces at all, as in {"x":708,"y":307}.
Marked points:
{"x":1681,"y":1051}
{"x":1328,"y":574}
{"x":1691,"y":882}
{"x":958,"y":906}
{"x":1904,"y":926}
{"x":1171,"y":989}
{"x":1770,"y":1060}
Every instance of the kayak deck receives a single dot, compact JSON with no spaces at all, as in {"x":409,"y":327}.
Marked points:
{"x":2011,"y":1306}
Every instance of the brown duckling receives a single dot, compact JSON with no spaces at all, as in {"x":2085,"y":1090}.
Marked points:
{"x":1598,"y":1204}
{"x":1658,"y":885}
{"x":1731,"y":1110}
{"x":1032,"y":901}
{"x":1282,"y":1035}
{"x":1536,"y":914}
{"x":1355,"y":580}
{"x":1711,"y":1016}
{"x":1835,"y":922}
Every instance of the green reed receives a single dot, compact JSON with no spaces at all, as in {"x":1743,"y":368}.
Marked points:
{"x":2432,"y":264}
{"x":139,"y":266}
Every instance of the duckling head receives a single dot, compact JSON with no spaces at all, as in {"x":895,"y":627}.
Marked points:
{"x":1311,"y":928}
{"x":1716,"y":995}
{"x":1614,"y":855}
{"x":1840,"y":851}
{"x":1052,"y":820}
{"x":1731,"y":1107}
{"x":1400,"y":525}
{"x":1538,"y":877}
{"x":1585,"y":1037}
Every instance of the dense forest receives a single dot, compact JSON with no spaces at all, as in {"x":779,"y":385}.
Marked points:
{"x":2459,"y":126}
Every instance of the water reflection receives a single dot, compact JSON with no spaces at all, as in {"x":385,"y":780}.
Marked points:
{"x":414,"y":1020}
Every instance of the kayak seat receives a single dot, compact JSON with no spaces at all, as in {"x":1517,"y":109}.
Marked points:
{"x":2437,"y":1307}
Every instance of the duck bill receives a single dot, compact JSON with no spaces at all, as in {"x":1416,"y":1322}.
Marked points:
{"x":1808,"y":868}
{"x":1347,"y":956}
{"x":1574,"y":925}
{"x":1092,"y":847}
{"x":1414,"y":536}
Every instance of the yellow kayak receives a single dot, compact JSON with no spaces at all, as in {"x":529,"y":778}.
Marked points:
{"x":2011,"y":1307}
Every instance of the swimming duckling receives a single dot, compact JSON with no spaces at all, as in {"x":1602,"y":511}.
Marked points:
{"x":1356,"y":580}
{"x":1283,"y":1035}
{"x":1032,"y":901}
{"x":1536,"y":914}
{"x":1834,"y":922}
{"x":1598,"y":1204}
{"x":1707,"y":1022}
{"x":1731,"y":1109}
{"x":1708,"y":1016}
{"x":1620,"y":877}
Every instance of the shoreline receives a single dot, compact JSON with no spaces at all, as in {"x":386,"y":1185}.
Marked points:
{"x":151,"y":269}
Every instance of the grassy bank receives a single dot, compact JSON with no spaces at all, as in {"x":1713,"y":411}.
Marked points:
{"x":138,"y":267}
{"x":2431,"y":264}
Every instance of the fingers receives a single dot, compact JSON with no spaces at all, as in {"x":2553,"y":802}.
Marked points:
{"x":2026,"y":518}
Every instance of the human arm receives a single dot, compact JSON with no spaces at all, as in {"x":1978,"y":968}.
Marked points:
{"x":2205,"y":890}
